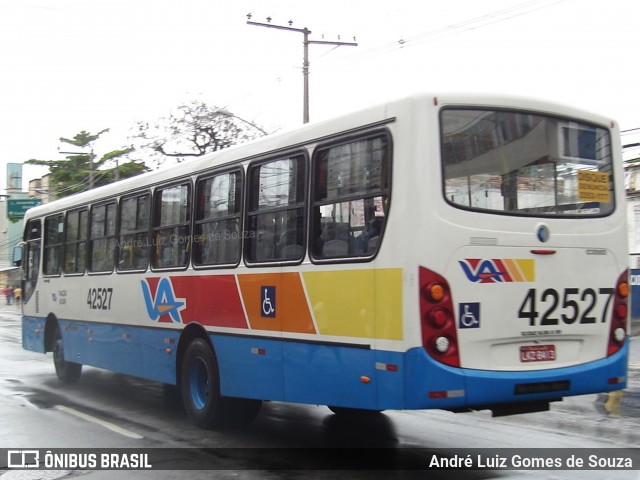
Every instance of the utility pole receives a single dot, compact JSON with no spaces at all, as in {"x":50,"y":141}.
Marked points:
{"x":91,"y":156}
{"x":305,"y":62}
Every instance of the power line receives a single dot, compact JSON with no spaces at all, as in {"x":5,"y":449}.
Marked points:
{"x":460,"y":27}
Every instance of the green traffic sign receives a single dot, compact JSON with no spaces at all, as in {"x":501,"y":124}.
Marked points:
{"x":16,"y":208}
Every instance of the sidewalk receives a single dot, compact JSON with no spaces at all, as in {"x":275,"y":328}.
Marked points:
{"x":12,"y":309}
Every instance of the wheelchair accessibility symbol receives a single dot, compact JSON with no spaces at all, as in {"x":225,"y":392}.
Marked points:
{"x":469,"y":315}
{"x":268,"y":299}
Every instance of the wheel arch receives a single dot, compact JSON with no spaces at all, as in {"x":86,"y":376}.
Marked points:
{"x":49,"y":329}
{"x":190,"y":333}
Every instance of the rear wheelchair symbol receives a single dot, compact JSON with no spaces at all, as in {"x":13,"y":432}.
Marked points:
{"x":470,"y":315}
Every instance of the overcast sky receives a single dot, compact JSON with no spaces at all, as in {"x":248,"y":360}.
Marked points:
{"x":72,"y":65}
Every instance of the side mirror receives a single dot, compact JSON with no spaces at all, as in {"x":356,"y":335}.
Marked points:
{"x":17,"y":256}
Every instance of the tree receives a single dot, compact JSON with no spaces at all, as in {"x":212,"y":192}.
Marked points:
{"x":81,"y":171}
{"x":195,"y":130}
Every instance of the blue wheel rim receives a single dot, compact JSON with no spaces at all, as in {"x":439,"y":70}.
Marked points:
{"x":199,"y":387}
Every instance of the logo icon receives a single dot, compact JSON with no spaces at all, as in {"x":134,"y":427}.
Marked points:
{"x":163,"y":302}
{"x":469,"y":315}
{"x":23,"y":458}
{"x":498,"y":270}
{"x":543,"y":233}
{"x":268,"y":297}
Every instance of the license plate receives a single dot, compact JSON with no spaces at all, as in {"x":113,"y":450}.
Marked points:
{"x":538,"y":353}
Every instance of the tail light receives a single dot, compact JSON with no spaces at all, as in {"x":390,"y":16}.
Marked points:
{"x":439,"y":335}
{"x":618,"y":328}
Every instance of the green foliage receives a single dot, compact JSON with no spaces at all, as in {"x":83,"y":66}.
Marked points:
{"x":74,"y":174}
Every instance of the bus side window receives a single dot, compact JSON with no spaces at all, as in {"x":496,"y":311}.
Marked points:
{"x":102,"y":239}
{"x":133,"y":242}
{"x":276,"y":213}
{"x":172,"y":227}
{"x":53,"y":237}
{"x":217,"y":235}
{"x":31,"y":258}
{"x":75,"y":241}
{"x":350,"y":195}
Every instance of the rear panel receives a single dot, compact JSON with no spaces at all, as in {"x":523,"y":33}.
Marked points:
{"x":526,"y":299}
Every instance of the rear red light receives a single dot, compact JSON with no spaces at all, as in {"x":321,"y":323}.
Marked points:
{"x":621,"y":311}
{"x":439,"y":335}
{"x":618,"y":327}
{"x":438,"y":317}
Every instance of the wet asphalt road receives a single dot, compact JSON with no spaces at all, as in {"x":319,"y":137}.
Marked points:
{"x":107,"y":410}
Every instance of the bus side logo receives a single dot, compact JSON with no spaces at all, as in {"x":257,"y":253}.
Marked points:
{"x":498,"y":270}
{"x":163,"y":302}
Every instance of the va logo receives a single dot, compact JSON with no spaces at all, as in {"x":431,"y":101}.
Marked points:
{"x":163,"y":301}
{"x":498,"y":270}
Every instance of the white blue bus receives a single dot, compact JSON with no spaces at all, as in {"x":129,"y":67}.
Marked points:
{"x":434,"y":252}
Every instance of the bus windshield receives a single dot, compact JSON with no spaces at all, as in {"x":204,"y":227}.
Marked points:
{"x":521,"y":163}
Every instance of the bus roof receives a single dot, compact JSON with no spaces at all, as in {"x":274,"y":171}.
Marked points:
{"x":289,"y":140}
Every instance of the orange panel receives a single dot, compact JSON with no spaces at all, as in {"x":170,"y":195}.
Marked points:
{"x":297,"y":317}
{"x":288,"y":312}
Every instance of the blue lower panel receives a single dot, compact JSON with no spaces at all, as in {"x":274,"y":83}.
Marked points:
{"x":33,"y":334}
{"x":305,"y":372}
{"x":477,"y":388}
{"x":329,"y":375}
{"x":158,"y":351}
{"x":249,"y":367}
{"x":144,"y":352}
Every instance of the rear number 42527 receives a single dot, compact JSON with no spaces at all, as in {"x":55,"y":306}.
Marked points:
{"x":571,"y":305}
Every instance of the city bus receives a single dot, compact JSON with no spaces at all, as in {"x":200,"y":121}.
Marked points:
{"x":454,"y":252}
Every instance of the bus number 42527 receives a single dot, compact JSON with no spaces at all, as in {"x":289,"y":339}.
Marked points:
{"x":99,"y":298}
{"x":568,"y":306}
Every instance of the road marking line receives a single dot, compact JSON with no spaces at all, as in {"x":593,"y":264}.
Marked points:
{"x":104,"y":423}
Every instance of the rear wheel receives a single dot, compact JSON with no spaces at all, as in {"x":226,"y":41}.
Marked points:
{"x":200,"y":385}
{"x":67,"y":372}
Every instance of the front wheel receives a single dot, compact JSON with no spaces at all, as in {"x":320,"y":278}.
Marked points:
{"x":67,"y":372}
{"x":200,"y":386}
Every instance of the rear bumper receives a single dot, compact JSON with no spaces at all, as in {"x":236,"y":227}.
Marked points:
{"x":434,"y":385}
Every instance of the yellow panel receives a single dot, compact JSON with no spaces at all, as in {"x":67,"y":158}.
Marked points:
{"x":528,"y":268}
{"x":389,"y":313}
{"x":357,"y":303}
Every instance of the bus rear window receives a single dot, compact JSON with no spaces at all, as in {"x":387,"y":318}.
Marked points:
{"x":525,"y":164}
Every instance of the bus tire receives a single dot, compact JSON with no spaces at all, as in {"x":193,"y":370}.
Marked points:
{"x":200,"y":384}
{"x":200,"y":387}
{"x":67,"y":372}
